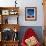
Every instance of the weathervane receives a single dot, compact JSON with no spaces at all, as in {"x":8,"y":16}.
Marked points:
{"x":15,"y":3}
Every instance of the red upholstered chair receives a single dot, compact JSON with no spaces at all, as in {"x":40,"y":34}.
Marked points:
{"x":29,"y":33}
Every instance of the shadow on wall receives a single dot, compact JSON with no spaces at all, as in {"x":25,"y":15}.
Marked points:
{"x":37,"y":29}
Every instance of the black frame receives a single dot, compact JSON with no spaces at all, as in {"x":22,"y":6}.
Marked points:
{"x":33,"y":9}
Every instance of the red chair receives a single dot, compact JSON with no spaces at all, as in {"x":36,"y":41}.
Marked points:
{"x":29,"y":33}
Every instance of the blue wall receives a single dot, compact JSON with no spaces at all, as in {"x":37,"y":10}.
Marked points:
{"x":37,"y":29}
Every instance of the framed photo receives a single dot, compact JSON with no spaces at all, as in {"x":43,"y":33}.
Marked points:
{"x":5,"y":12}
{"x":30,"y":13}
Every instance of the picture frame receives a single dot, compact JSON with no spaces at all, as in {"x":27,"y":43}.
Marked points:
{"x":5,"y":12}
{"x":30,"y":13}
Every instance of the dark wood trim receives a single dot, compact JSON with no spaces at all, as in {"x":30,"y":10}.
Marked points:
{"x":11,"y":26}
{"x":4,"y":8}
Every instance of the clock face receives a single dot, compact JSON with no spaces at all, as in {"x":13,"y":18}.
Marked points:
{"x":5,"y":12}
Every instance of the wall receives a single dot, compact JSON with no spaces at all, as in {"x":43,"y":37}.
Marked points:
{"x":26,"y":3}
{"x":31,"y":3}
